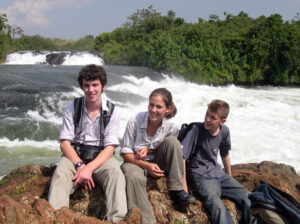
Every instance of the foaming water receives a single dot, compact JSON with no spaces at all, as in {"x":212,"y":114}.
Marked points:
{"x":39,"y":57}
{"x":264,"y":121}
{"x":82,"y":58}
{"x":49,"y":144}
{"x":26,"y":58}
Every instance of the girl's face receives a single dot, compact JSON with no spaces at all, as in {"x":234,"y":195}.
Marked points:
{"x":157,"y":108}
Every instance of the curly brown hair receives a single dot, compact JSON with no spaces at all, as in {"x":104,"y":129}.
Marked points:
{"x":92,"y":72}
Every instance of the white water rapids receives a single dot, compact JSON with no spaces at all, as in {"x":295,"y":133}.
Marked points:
{"x":264,"y":121}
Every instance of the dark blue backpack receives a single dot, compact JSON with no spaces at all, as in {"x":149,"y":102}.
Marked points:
{"x":268,"y":197}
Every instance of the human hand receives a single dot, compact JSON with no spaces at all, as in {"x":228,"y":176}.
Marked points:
{"x":154,"y":170}
{"x":84,"y":177}
{"x":141,"y":154}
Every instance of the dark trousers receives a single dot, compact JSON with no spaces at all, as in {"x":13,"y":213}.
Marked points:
{"x":210,"y":191}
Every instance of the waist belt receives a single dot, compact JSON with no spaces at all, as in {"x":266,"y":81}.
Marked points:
{"x":151,"y":151}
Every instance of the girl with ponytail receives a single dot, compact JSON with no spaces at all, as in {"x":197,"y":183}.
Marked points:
{"x":150,"y":147}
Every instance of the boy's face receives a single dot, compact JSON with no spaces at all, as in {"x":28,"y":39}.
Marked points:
{"x":213,"y":122}
{"x":92,"y":90}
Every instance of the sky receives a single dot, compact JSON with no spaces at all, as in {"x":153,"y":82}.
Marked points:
{"x":74,"y":19}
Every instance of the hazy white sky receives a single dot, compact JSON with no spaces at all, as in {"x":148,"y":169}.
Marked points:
{"x":73,"y":19}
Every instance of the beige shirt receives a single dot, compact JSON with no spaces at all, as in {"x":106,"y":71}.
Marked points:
{"x":135,"y":136}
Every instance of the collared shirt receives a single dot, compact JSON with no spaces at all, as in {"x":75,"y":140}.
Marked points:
{"x":90,"y":130}
{"x":205,"y":163}
{"x":135,"y":136}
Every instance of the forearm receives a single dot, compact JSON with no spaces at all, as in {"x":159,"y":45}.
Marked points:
{"x":69,"y":152}
{"x":130,"y":158}
{"x":102,"y":157}
{"x":227,"y":164}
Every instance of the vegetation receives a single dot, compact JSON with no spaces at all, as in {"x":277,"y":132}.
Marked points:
{"x":238,"y":49}
{"x":40,"y":43}
{"x":7,"y":178}
{"x":5,"y":38}
{"x":13,"y":39}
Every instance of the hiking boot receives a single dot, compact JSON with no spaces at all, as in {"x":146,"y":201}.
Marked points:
{"x":181,"y":197}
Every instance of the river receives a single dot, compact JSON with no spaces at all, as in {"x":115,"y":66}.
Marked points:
{"x":264,"y":121}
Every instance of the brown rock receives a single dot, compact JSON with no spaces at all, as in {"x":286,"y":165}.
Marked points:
{"x":24,"y":197}
{"x":281,"y":176}
{"x":45,"y":210}
{"x":64,"y":215}
{"x":134,"y":216}
{"x":12,"y":211}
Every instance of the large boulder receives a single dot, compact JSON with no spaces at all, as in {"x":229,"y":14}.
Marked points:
{"x":55,"y":58}
{"x":281,"y":176}
{"x":24,"y":197}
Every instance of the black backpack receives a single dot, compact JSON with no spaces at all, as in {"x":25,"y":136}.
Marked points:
{"x":185,"y":128}
{"x":104,"y":120}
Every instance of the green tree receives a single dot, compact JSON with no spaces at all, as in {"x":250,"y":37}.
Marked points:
{"x":5,"y":38}
{"x":238,"y":49}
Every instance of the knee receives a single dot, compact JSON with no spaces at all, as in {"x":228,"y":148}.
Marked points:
{"x":134,"y":178}
{"x":173,"y":142}
{"x":212,"y":199}
{"x":61,"y":174}
{"x":115,"y":172}
{"x":214,"y":203}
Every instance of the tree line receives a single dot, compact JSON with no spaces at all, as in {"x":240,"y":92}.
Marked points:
{"x":238,"y":49}
{"x":13,"y":39}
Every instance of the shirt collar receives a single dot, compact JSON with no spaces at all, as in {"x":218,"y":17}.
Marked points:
{"x":145,"y":121}
{"x":104,"y":103}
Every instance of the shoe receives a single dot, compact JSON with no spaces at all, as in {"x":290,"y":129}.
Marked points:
{"x":181,"y":197}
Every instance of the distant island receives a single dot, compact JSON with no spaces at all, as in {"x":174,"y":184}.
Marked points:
{"x":239,"y":49}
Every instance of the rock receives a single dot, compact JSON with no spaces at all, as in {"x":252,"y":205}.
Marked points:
{"x":55,"y":58}
{"x":281,"y":176}
{"x":24,"y":197}
{"x":134,"y":216}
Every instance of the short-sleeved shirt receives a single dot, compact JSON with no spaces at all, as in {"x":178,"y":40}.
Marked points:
{"x":90,"y":129}
{"x":205,"y":162}
{"x":135,"y":136}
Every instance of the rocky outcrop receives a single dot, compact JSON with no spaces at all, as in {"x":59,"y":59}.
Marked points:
{"x":55,"y":58}
{"x":24,"y":191}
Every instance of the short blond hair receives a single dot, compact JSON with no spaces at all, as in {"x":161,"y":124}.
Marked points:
{"x":220,"y":107}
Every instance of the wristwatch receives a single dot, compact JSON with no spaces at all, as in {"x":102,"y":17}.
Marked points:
{"x":79,"y":164}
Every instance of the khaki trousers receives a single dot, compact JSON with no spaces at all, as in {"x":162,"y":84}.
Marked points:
{"x":168,"y":158}
{"x":109,"y":176}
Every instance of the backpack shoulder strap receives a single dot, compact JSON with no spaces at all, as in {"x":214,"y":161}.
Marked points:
{"x":78,"y":103}
{"x":200,"y":139}
{"x":107,"y":114}
{"x":104,"y":120}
